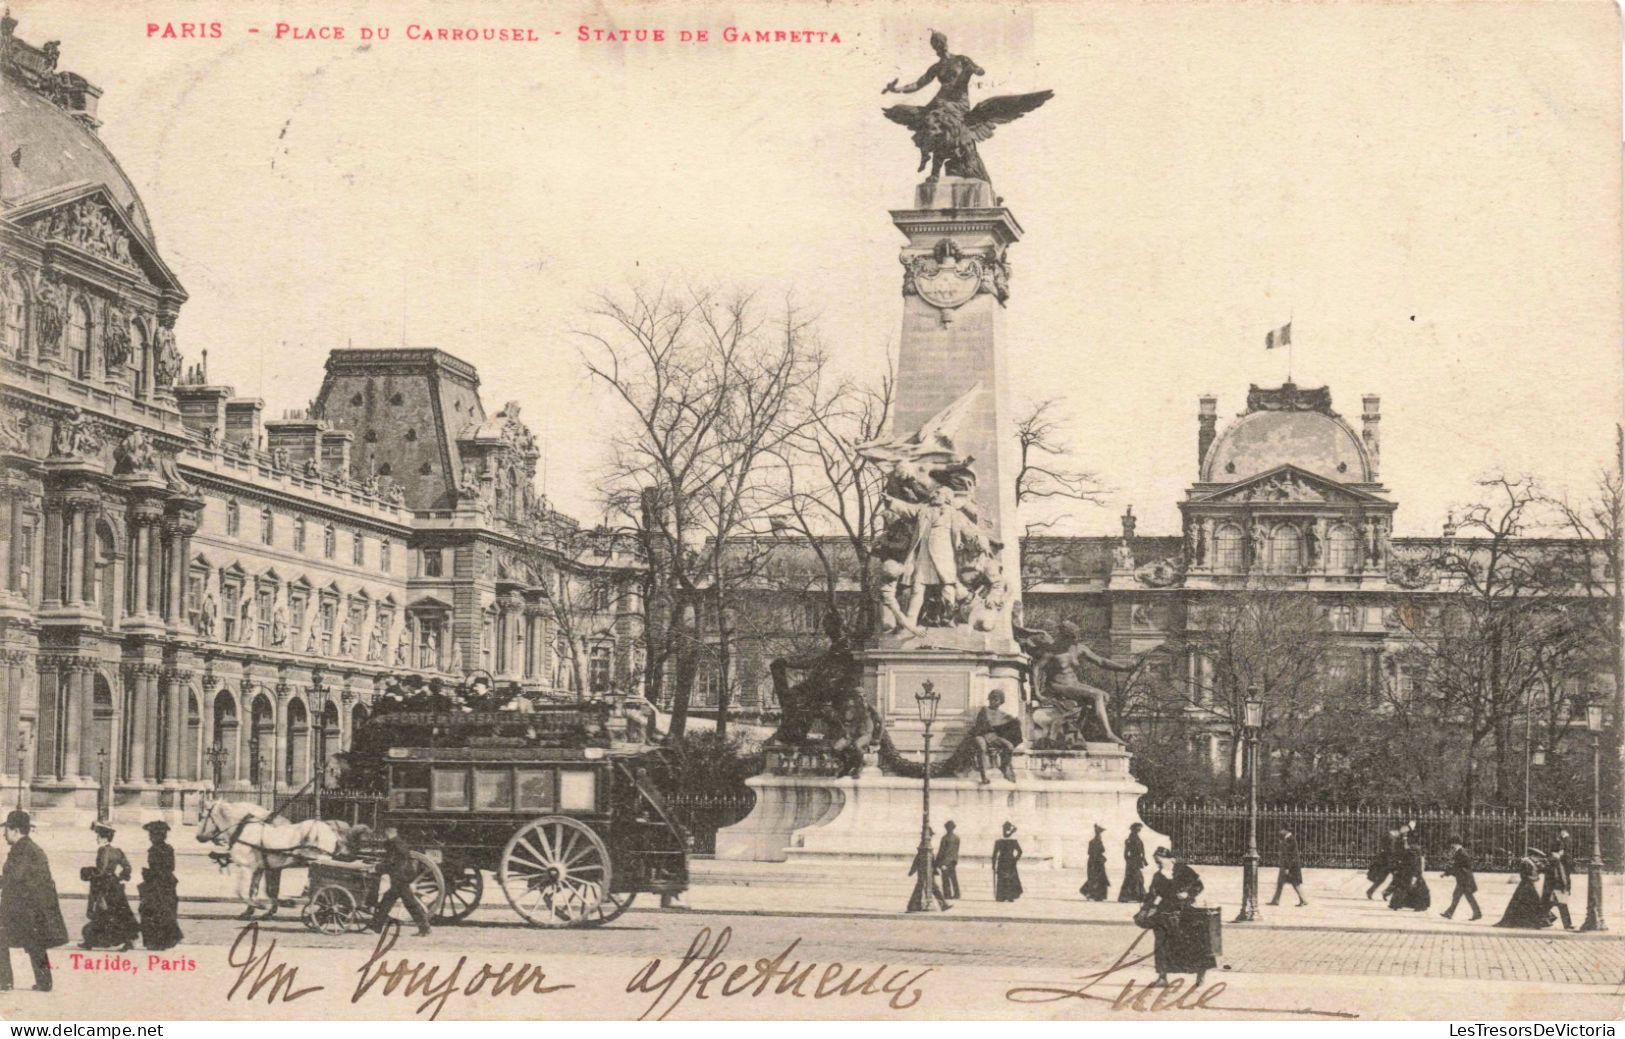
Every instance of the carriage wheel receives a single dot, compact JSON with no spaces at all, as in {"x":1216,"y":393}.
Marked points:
{"x":428,"y":883}
{"x":463,"y":891}
{"x":614,"y":905}
{"x":331,"y":910}
{"x":556,"y":873}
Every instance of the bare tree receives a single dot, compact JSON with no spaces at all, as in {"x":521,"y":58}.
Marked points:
{"x":1481,"y":649}
{"x":1271,"y":642}
{"x":831,"y":498}
{"x":1598,"y":563}
{"x":1047,"y":480}
{"x":712,"y":386}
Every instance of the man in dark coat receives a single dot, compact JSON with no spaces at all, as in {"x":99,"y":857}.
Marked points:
{"x":1385,"y":862}
{"x":401,"y":869}
{"x":1558,"y":879}
{"x":30,"y":916}
{"x":1290,"y":870}
{"x":947,"y":862}
{"x":917,"y":869}
{"x":1461,"y":870}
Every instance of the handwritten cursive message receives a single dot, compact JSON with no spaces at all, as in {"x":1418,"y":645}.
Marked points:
{"x":702,"y":966}
{"x":382,"y":977}
{"x":1147,"y":999}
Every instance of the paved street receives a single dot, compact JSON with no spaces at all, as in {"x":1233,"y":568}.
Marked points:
{"x":1342,"y":954}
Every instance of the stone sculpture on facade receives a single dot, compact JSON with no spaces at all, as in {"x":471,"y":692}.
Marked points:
{"x":279,"y":627}
{"x":50,"y":315}
{"x":134,"y":454}
{"x":947,"y":129}
{"x":14,"y":431}
{"x":74,"y":436}
{"x":206,"y":614}
{"x":116,"y":337}
{"x":167,"y":357}
{"x":1059,"y":692}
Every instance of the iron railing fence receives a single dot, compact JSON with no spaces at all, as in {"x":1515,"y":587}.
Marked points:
{"x":1350,"y":836}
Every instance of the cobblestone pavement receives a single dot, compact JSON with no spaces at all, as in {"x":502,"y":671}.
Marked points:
{"x":946,"y":941}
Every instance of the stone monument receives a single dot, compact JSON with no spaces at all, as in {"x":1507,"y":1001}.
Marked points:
{"x":843,"y":776}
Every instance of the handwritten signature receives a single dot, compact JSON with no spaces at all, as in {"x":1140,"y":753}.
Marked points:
{"x":703,"y":966}
{"x":1140,"y":999}
{"x":409,"y":979}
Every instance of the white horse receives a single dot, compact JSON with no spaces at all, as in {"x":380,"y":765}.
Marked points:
{"x":255,"y":846}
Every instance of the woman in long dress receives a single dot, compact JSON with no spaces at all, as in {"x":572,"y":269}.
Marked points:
{"x":109,"y":922}
{"x":1527,"y":908}
{"x":1006,"y":878}
{"x":1133,"y":889}
{"x":1410,"y":884}
{"x":1182,"y":943}
{"x":1096,"y":885}
{"x":159,"y":905}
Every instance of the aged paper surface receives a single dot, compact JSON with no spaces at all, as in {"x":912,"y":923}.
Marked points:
{"x":494,"y":449}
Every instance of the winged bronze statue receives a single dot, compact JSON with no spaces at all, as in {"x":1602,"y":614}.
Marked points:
{"x":947,"y":130}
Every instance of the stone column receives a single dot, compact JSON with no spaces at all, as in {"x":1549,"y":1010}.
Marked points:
{"x":156,"y":690}
{"x":155,"y":572}
{"x":87,"y":577}
{"x":81,"y":719}
{"x":135,"y":702}
{"x":75,"y":533}
{"x":51,"y":577}
{"x":15,"y":659}
{"x":176,"y":768}
{"x":140,"y":560}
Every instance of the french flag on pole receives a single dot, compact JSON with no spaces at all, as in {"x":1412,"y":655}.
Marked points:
{"x":1280,"y":337}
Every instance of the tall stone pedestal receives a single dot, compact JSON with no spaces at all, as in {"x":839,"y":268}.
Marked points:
{"x":951,"y":352}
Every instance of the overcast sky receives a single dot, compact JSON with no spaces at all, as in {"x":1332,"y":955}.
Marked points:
{"x":1430,"y":192}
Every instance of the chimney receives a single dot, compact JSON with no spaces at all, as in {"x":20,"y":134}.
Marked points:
{"x":1370,"y":420}
{"x":1207,"y":424}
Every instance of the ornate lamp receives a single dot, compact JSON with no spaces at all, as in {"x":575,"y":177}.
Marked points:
{"x":924,"y":900}
{"x":1252,"y":722}
{"x":1594,"y":919}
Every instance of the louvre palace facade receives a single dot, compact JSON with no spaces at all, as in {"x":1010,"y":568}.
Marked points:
{"x":196,"y":591}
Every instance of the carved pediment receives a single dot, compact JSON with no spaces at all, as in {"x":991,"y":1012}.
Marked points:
{"x":88,"y":219}
{"x":1288,"y":485}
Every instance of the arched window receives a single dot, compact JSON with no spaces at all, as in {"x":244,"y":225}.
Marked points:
{"x":14,"y":318}
{"x":1286,"y":550}
{"x":1342,"y":550}
{"x":79,"y":353}
{"x":140,"y":362}
{"x":1228,"y":557}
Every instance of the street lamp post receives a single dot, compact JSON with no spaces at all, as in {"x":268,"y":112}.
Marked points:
{"x":217,"y":758}
{"x":1253,"y":722}
{"x":924,"y":900}
{"x":22,"y":756}
{"x":103,"y":809}
{"x":1594,"y":920}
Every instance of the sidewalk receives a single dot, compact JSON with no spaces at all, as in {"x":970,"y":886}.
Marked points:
{"x":1336,"y":897}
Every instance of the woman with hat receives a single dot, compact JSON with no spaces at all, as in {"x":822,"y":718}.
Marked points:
{"x":1096,"y":885}
{"x":159,"y":926}
{"x":1133,"y":889}
{"x":109,"y":922}
{"x":30,"y":916}
{"x":1527,"y":909}
{"x":1182,"y":943}
{"x":1006,"y":853}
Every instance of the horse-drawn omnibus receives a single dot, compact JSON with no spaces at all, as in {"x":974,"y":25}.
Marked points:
{"x":565,"y":819}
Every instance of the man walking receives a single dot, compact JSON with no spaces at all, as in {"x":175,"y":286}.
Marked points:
{"x":948,"y":861}
{"x":1461,"y":869}
{"x":399,"y":866}
{"x":918,"y":869}
{"x":1291,"y":869}
{"x":30,"y":916}
{"x":1383,"y":865}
